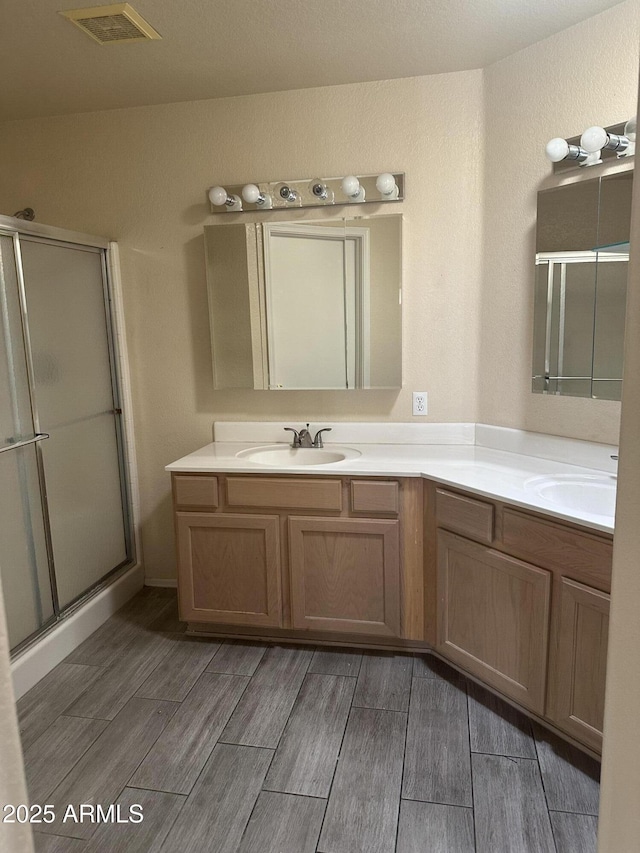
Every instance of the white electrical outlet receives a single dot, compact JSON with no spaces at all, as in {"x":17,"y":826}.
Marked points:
{"x":419,"y":403}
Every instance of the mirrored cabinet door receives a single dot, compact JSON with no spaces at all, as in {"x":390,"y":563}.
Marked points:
{"x":306,"y":304}
{"x":582,"y":253}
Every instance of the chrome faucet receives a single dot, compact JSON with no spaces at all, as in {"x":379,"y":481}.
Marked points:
{"x":303,"y":438}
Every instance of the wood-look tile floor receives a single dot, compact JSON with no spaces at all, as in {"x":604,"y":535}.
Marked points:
{"x":255,"y":748}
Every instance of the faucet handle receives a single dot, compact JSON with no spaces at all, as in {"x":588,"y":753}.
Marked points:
{"x":296,"y":436}
{"x":317,"y":441}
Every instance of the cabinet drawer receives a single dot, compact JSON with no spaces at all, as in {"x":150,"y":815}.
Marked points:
{"x":553,"y":546}
{"x":195,"y":490}
{"x":374,"y":496}
{"x":284,"y":493}
{"x":465,"y":515}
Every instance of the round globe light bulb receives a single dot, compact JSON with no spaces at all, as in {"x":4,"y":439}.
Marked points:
{"x":385,"y":183}
{"x":218,"y":196}
{"x":251,"y":193}
{"x":594,"y":139}
{"x":350,"y":185}
{"x":630,"y":128}
{"x":557,"y":149}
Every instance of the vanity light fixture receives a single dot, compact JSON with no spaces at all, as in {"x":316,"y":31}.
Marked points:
{"x":220,"y":197}
{"x":559,"y":149}
{"x":380,"y":188}
{"x":386,"y":185}
{"x":595,"y":145}
{"x":595,"y":139}
{"x":252,"y":194}
{"x":352,"y":188}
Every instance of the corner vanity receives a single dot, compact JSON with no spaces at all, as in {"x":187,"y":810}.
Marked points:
{"x":452,"y":546}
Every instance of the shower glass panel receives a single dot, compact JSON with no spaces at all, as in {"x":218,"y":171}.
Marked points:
{"x":24,"y":564}
{"x":73,"y":388}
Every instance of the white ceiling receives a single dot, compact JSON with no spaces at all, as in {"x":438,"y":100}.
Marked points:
{"x":217,"y":48}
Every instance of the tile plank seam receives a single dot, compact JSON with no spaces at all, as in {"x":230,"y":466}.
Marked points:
{"x":335,"y":767}
{"x":473,"y":796}
{"x":544,"y":787}
{"x":255,"y":802}
{"x":404,"y":756}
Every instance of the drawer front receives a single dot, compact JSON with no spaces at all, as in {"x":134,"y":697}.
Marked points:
{"x":374,"y":496}
{"x":465,"y":515}
{"x":284,"y":493}
{"x":553,"y":546}
{"x":195,"y":490}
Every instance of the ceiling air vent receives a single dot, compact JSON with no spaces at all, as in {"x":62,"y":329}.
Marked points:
{"x":112,"y":24}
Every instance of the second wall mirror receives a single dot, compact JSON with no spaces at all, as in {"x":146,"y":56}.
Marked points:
{"x":306,"y":304}
{"x":582,"y":255}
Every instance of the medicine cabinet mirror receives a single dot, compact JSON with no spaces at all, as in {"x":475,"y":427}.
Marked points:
{"x":306,"y":304}
{"x":582,"y":255}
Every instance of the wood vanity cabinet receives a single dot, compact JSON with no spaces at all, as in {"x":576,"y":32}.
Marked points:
{"x":331,"y":556}
{"x":517,"y":600}
{"x":523,"y":605}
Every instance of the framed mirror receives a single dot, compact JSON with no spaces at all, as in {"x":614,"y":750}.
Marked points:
{"x":306,"y":304}
{"x":582,"y":255}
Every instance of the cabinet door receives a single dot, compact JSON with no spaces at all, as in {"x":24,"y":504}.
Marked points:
{"x":345,"y":575}
{"x":577,"y":682}
{"x":229,"y":568}
{"x":493,"y":617}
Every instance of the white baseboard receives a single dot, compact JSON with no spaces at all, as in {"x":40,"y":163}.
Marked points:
{"x":35,"y":662}
{"x":170,"y":583}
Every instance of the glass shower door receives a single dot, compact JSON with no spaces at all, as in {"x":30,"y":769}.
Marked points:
{"x":24,"y":559}
{"x":74,"y":392}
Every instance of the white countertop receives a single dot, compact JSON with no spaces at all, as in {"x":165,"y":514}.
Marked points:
{"x":502,"y":475}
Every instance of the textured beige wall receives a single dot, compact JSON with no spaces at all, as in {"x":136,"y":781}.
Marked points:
{"x":557,"y":87}
{"x":140,"y":175}
{"x":619,"y":830}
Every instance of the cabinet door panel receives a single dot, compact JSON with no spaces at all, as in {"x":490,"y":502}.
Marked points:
{"x":576,"y":701}
{"x":494,"y":617}
{"x":345,"y":575}
{"x":229,"y":568}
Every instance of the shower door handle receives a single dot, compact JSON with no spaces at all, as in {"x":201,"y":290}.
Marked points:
{"x":39,"y":437}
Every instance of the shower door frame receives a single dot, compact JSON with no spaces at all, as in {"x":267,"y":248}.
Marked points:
{"x":50,"y":235}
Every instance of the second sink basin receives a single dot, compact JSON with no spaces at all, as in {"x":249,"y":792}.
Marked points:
{"x":285,"y":456}
{"x":594,"y":494}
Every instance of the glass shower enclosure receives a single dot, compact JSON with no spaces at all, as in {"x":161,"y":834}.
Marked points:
{"x":65,"y":522}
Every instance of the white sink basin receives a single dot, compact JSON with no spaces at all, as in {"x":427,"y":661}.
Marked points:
{"x":285,"y":456}
{"x":594,"y":494}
